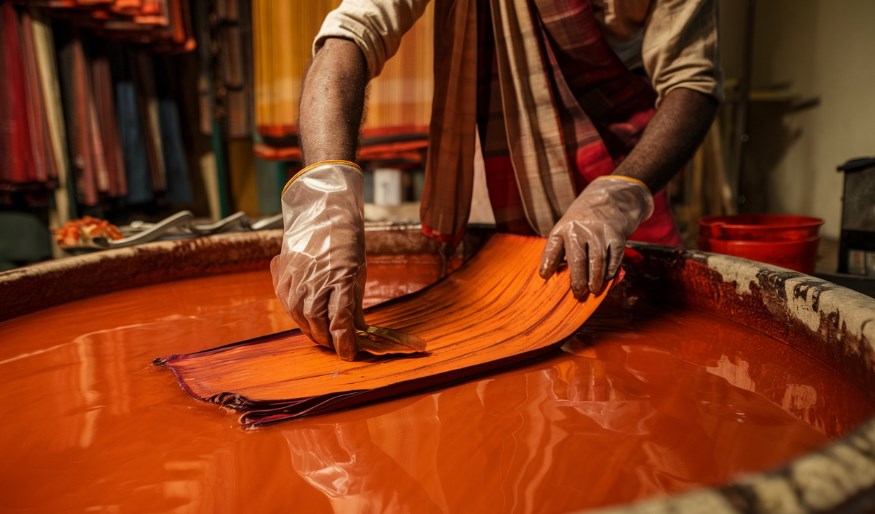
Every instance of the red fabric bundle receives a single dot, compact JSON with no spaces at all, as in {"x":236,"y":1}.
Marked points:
{"x":17,"y":156}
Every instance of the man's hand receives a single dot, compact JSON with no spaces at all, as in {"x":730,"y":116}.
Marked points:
{"x":319,"y":275}
{"x":592,"y":234}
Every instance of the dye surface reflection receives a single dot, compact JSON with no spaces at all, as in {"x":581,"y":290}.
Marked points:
{"x":640,"y":403}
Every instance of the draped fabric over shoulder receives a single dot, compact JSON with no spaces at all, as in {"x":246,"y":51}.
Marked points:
{"x":555,"y":108}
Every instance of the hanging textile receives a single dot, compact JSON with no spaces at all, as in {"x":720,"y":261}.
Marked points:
{"x":144,"y":80}
{"x":88,"y":115}
{"x":83,"y":134}
{"x":282,"y":39}
{"x":33,"y":154}
{"x":225,"y":79}
{"x":44,"y":45}
{"x":44,"y":163}
{"x":16,"y":157}
{"x":399,"y":100}
{"x":131,"y":128}
{"x":475,"y":320}
{"x":235,"y":78}
{"x":170,"y":125}
{"x":107,"y":122}
{"x":205,"y":86}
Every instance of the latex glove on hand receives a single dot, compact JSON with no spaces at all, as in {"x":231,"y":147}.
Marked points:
{"x":592,"y":233}
{"x":320,"y":273}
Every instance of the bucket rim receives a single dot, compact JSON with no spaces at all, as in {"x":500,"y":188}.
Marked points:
{"x":757,"y":243}
{"x":773,"y":221}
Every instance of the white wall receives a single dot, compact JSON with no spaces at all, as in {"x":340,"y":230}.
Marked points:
{"x":824,"y":49}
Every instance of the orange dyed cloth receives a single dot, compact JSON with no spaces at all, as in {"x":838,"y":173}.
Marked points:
{"x":493,"y":312}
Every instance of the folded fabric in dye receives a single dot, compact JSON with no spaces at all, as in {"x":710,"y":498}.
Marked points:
{"x":494,"y":311}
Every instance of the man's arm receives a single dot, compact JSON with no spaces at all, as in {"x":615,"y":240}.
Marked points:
{"x":332,"y":102}
{"x":670,"y":139}
{"x":320,"y":273}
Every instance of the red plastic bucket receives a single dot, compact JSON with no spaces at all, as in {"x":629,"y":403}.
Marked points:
{"x":782,"y":240}
{"x":759,"y":227}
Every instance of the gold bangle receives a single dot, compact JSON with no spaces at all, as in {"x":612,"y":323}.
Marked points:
{"x":628,"y":179}
{"x":320,"y":163}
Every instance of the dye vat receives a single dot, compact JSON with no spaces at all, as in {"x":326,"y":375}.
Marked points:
{"x":703,"y":381}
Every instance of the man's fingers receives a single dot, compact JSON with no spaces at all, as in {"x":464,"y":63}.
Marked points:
{"x":315,"y":312}
{"x":361,"y":280}
{"x":597,"y":264}
{"x":552,"y":256}
{"x":596,"y":272}
{"x":616,"y":252}
{"x":341,"y":312}
{"x":576,"y":255}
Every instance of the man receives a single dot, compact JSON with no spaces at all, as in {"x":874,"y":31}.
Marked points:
{"x":560,"y":92}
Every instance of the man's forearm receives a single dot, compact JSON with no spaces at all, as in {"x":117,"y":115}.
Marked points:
{"x":670,"y":138}
{"x":332,"y":102}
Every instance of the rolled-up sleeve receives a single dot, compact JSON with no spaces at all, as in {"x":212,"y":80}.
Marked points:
{"x":680,"y":47}
{"x":376,"y":26}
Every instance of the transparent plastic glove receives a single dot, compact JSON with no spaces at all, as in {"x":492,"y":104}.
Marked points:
{"x":592,"y":234}
{"x":319,"y":275}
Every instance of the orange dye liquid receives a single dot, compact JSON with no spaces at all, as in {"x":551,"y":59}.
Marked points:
{"x":637,"y":406}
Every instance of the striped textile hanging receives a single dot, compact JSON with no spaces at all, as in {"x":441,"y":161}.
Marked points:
{"x":399,"y":100}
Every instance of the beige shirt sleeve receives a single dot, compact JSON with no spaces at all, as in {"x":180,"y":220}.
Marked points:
{"x":680,"y":48}
{"x":678,"y":39}
{"x":376,"y":26}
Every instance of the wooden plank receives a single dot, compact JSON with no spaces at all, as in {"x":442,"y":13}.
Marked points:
{"x":494,"y":311}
